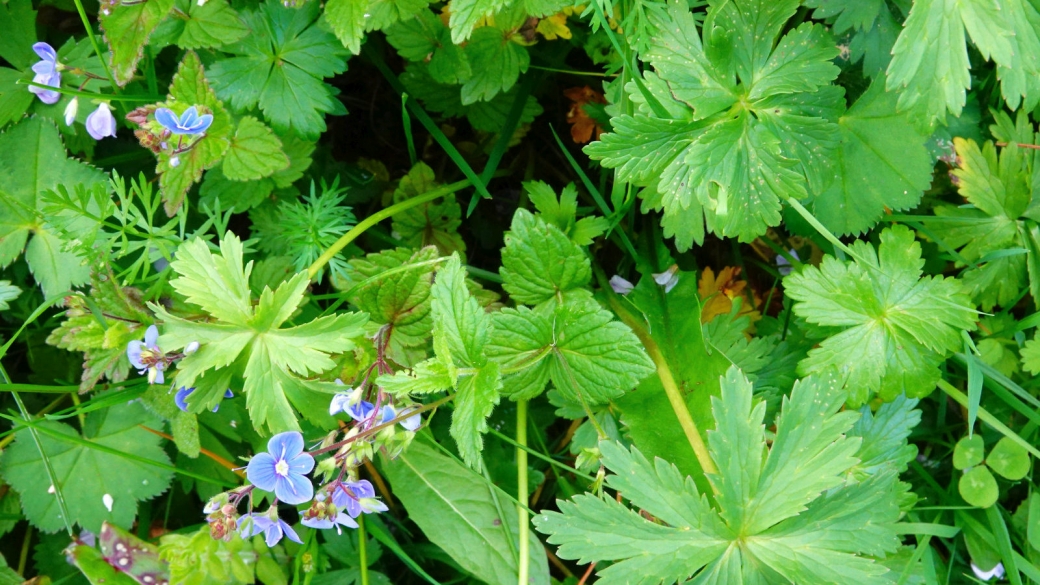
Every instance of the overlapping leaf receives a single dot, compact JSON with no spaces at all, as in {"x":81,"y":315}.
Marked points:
{"x":273,"y":360}
{"x":758,"y":124}
{"x":782,"y":513}
{"x":899,"y":325}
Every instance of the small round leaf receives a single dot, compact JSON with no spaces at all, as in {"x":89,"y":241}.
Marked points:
{"x":978,"y":487}
{"x":1008,"y":459}
{"x":969,"y":452}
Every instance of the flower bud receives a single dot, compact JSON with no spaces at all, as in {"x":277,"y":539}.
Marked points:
{"x":71,"y":110}
{"x":191,"y":348}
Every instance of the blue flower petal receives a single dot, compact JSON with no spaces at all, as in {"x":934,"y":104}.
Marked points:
{"x":387,"y":414}
{"x":411,"y":423}
{"x":362,"y":489}
{"x":228,"y":393}
{"x":43,"y":67}
{"x":273,"y":533}
{"x":289,"y":532}
{"x":180,"y":399}
{"x":301,"y":464}
{"x":45,"y":51}
{"x":189,"y":117}
{"x":166,"y":118}
{"x":260,"y":471}
{"x":159,"y":378}
{"x":285,"y":445}
{"x":360,"y":411}
{"x":133,"y":353}
{"x":293,"y":489}
{"x":319,"y":523}
{"x":339,"y":403}
{"x":200,"y":125}
{"x":151,"y":336}
{"x":346,"y":520}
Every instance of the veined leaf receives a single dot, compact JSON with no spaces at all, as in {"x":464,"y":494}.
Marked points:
{"x":127,"y":28}
{"x":540,"y":263}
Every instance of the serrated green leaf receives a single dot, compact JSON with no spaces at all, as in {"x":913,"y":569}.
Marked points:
{"x":94,"y":566}
{"x":132,"y":556}
{"x":882,"y":163}
{"x":238,"y":196}
{"x":347,"y":19}
{"x":254,"y":153}
{"x":202,"y":26}
{"x":203,"y":560}
{"x":18,"y":21}
{"x":15,"y":99}
{"x":540,"y":263}
{"x":467,"y":13}
{"x":884,"y":437}
{"x":1008,"y":459}
{"x":190,"y":87}
{"x":127,"y":28}
{"x":969,"y":452}
{"x":85,"y":475}
{"x":563,"y":212}
{"x":424,"y":38}
{"x":281,"y":67}
{"x":496,"y":63}
{"x":434,"y":223}
{"x":456,"y":510}
{"x":272,"y":360}
{"x":978,"y":487}
{"x":850,"y":14}
{"x":484,"y":116}
{"x":899,"y":325}
{"x":401,"y":298}
{"x":588,"y":355}
{"x":383,"y":13}
{"x":8,"y":292}
{"x":784,"y":513}
{"x":475,"y":397}
{"x":32,"y":161}
{"x":426,"y":377}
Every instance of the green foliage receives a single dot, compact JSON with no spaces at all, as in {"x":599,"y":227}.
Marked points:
{"x":98,"y":478}
{"x":8,"y":293}
{"x":431,"y":224}
{"x":33,"y":161}
{"x":784,"y":512}
{"x":193,"y":26}
{"x":281,"y":68}
{"x":899,"y":325}
{"x":127,"y":28}
{"x":271,"y":360}
{"x":199,"y":559}
{"x":540,"y":263}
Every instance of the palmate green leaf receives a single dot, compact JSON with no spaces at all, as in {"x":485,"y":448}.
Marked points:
{"x":254,"y":153}
{"x":33,"y":161}
{"x":456,"y":510}
{"x":999,"y":190}
{"x":562,"y":212}
{"x":746,"y":141}
{"x":882,"y":163}
{"x":281,"y":67}
{"x":782,"y":514}
{"x":194,"y":26}
{"x":930,"y":58}
{"x":590,"y":357}
{"x":898,"y":325}
{"x":127,"y":28}
{"x":462,"y":328}
{"x":870,"y":23}
{"x":190,"y":87}
{"x":434,"y":223}
{"x":496,"y":63}
{"x":85,"y":474}
{"x":424,"y":38}
{"x":673,"y":320}
{"x":347,"y":19}
{"x":272,"y":360}
{"x":540,"y":263}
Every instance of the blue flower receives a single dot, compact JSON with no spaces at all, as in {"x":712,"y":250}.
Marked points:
{"x":409,"y":424}
{"x":283,"y":469}
{"x":100,"y":123}
{"x":190,"y":122}
{"x":351,"y":404}
{"x":273,"y":528}
{"x":181,"y":398}
{"x":146,"y":355}
{"x":48,"y":72}
{"x":339,"y":403}
{"x":360,"y":411}
{"x":357,"y":497}
{"x":323,"y":515}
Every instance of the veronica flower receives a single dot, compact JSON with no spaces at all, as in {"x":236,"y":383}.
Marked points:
{"x":783,"y":266}
{"x":190,"y":122}
{"x":146,"y":355}
{"x":620,"y":285}
{"x":357,"y":497}
{"x":273,"y":528}
{"x":48,"y":72}
{"x":409,"y":424}
{"x":323,"y":514}
{"x":181,"y":398}
{"x":101,"y":123}
{"x":360,"y":411}
{"x":351,"y":403}
{"x":668,"y":279}
{"x":283,"y":469}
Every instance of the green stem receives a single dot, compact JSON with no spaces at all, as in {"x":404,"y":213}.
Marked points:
{"x":379,"y":216}
{"x":94,"y":43}
{"x":94,"y":95}
{"x":362,"y":548}
{"x":524,"y":521}
{"x":984,"y":415}
{"x":826,"y":233}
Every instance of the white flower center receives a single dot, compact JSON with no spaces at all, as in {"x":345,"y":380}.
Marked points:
{"x":282,"y":468}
